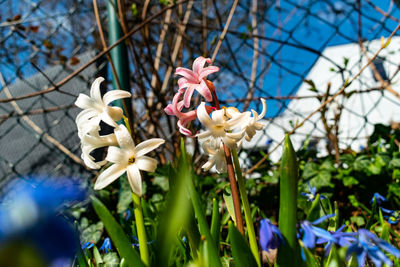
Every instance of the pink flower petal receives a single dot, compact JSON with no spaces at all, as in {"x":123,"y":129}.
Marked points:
{"x":207,"y":71}
{"x":188,"y":96}
{"x":205,"y":91}
{"x":198,"y":64}
{"x":188,"y":74}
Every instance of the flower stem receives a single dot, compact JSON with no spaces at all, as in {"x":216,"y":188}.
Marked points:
{"x":141,"y":230}
{"x":246,"y":207}
{"x":232,"y":179}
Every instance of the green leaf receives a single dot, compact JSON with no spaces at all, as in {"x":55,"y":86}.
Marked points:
{"x":358,"y":220}
{"x":97,"y":256}
{"x":117,"y":235}
{"x":229,"y":202}
{"x":211,"y":247}
{"x":241,"y":252}
{"x":215,"y":222}
{"x":313,"y":212}
{"x":111,"y":260}
{"x":310,"y":170}
{"x":92,"y":233}
{"x":287,"y":207}
{"x":124,"y":197}
{"x":349,"y":181}
{"x":361,"y":163}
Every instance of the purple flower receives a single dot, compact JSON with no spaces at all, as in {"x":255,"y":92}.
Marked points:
{"x":270,"y":236}
{"x":311,"y":233}
{"x":368,"y":244}
{"x":379,"y":198}
{"x":343,"y":239}
{"x":393,"y":217}
{"x":106,"y":247}
{"x":31,"y":211}
{"x":313,"y":193}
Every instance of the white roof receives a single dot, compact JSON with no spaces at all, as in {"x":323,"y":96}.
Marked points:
{"x":361,"y":110}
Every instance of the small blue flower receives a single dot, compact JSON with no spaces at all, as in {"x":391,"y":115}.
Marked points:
{"x":368,"y":244}
{"x":136,"y":244}
{"x":127,"y":215}
{"x":393,"y":217}
{"x":269,"y":141}
{"x":87,"y":245}
{"x":313,"y":193}
{"x":379,"y":199}
{"x":311,"y":232}
{"x":343,"y":239}
{"x":106,"y":247}
{"x":270,"y":236}
{"x":32,"y":210}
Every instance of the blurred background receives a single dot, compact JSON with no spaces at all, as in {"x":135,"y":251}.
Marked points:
{"x":293,"y":53}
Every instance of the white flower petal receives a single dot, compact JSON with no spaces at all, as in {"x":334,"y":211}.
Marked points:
{"x":203,"y":116}
{"x":208,"y":165}
{"x":109,"y":175}
{"x":85,"y":115}
{"x":99,"y":141}
{"x":104,"y":116}
{"x":117,"y":155}
{"x":238,"y":121}
{"x":264,"y":110}
{"x":85,"y":102}
{"x":135,"y":179}
{"x":147,"y":146}
{"x":95,"y":89}
{"x":114,"y":95}
{"x":124,"y":138}
{"x":204,"y":134}
{"x":147,"y":164}
{"x":115,"y":113}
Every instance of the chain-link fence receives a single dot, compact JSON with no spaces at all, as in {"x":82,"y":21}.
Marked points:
{"x":294,"y":53}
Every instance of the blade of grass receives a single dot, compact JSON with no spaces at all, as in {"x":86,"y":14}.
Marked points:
{"x":288,"y":206}
{"x":116,"y":234}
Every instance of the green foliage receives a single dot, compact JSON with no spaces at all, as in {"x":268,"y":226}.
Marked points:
{"x":187,"y":215}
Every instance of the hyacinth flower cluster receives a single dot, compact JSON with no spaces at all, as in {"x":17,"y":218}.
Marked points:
{"x":222,"y":126}
{"x":123,"y":154}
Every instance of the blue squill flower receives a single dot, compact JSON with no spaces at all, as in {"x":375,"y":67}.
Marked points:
{"x":87,"y":245}
{"x":106,"y":247}
{"x":313,"y":193}
{"x":393,"y":216}
{"x":136,"y":244}
{"x":127,"y":215}
{"x":270,"y":236}
{"x":311,"y":233}
{"x":369,"y":245}
{"x":379,"y":198}
{"x":343,"y":239}
{"x":31,"y":211}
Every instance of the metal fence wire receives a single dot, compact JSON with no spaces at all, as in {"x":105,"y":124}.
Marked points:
{"x":294,"y":53}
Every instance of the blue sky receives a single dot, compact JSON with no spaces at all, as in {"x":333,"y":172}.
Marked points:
{"x":330,"y":23}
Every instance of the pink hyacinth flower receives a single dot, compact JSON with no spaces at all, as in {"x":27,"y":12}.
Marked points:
{"x":175,"y":109}
{"x":195,"y":79}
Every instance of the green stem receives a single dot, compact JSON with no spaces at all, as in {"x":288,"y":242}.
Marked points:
{"x":141,"y":230}
{"x":246,"y":207}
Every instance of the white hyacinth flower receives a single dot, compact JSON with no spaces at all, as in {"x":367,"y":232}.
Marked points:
{"x":217,"y":158}
{"x":92,"y":142}
{"x":128,"y":158}
{"x":219,"y":128}
{"x":252,"y":125}
{"x":97,"y":108}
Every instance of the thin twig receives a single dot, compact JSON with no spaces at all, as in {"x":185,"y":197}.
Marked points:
{"x":222,"y":36}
